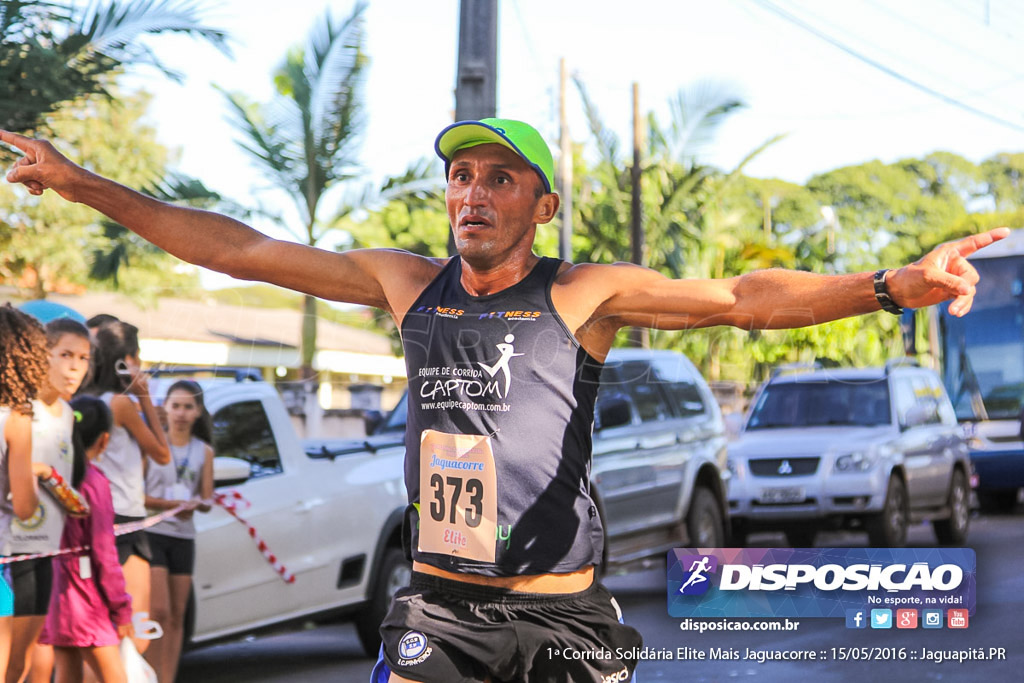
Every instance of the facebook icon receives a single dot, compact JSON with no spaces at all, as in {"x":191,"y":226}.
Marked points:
{"x":856,"y":618}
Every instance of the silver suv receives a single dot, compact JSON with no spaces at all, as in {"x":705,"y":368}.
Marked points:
{"x":659,"y":476}
{"x":868,"y":448}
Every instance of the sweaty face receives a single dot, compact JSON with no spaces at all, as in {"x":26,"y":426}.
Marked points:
{"x":492,"y":202}
{"x":182,"y":410}
{"x":69,"y":361}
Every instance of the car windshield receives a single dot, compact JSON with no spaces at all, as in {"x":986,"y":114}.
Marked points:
{"x":821,"y":403}
{"x":395,"y":423}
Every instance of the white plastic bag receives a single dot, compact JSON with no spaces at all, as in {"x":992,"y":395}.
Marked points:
{"x":136,"y":669}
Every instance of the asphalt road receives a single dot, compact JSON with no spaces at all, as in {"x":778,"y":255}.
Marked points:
{"x":332,"y":653}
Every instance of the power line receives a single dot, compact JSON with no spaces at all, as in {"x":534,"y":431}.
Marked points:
{"x":920,"y":27}
{"x":793,"y":19}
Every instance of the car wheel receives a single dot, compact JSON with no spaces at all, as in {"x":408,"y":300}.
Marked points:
{"x":395,"y":572}
{"x":953,"y":531}
{"x":888,"y":529}
{"x":801,"y":537}
{"x":704,"y":520}
{"x":999,"y":502}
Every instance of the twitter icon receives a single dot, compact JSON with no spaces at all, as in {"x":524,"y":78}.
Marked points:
{"x":881,"y":618}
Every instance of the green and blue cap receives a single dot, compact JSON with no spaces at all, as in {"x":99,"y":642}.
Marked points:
{"x":521,"y":138}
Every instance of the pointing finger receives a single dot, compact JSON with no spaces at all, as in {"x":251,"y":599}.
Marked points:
{"x":20,"y":141}
{"x":969,"y":245}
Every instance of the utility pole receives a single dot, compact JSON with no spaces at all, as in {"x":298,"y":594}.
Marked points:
{"x":564,"y":171}
{"x":476,"y":78}
{"x":637,"y":336}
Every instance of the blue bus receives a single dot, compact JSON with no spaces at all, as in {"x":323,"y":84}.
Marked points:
{"x":982,"y":365}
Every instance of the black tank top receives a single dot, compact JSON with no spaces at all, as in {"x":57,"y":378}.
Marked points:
{"x":503,"y":366}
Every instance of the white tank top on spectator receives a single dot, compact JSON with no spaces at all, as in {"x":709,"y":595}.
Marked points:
{"x":177,"y":480}
{"x":122,"y":465}
{"x":6,"y":508}
{"x":51,"y":445}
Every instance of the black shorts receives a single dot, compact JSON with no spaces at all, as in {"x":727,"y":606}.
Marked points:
{"x":134,"y":543}
{"x":32,"y":582}
{"x":442,"y":630}
{"x":177,"y":555}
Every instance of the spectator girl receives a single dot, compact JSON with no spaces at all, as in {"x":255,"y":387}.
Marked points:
{"x":53,"y":459}
{"x":90,"y":611}
{"x":23,"y":370}
{"x":119,"y":382}
{"x":188,"y":481}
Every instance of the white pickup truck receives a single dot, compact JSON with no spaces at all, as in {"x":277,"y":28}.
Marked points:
{"x":331,"y":510}
{"x":332,"y":518}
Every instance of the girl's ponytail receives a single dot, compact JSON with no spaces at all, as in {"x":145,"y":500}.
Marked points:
{"x":92,"y":420}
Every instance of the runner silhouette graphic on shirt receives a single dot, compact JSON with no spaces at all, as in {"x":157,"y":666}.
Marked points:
{"x":507,"y":353}
{"x":697,"y":570}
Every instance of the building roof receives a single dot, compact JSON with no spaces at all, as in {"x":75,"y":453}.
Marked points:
{"x":212,"y":321}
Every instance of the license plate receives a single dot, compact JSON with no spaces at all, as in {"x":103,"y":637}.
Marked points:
{"x":788,"y":494}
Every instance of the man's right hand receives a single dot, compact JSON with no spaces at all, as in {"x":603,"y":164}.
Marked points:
{"x":42,"y":167}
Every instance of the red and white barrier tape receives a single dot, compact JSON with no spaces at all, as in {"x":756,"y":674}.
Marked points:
{"x":119,"y":530}
{"x":231,"y":501}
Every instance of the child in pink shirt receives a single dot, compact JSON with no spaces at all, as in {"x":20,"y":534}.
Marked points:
{"x":90,"y":611}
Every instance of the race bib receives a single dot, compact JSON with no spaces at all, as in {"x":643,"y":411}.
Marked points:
{"x":458,"y":495}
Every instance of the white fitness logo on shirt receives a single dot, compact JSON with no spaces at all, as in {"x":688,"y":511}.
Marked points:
{"x":507,"y":353}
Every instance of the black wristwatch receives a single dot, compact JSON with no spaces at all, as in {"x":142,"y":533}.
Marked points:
{"x":885,"y":299}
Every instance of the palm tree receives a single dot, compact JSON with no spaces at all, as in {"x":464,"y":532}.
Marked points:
{"x":686,"y":233}
{"x":305,"y":139}
{"x":53,"y":53}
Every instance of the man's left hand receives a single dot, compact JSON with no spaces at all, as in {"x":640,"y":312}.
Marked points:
{"x":942,"y":274}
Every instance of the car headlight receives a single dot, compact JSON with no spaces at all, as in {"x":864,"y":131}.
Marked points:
{"x":733,"y":466}
{"x":859,"y":461}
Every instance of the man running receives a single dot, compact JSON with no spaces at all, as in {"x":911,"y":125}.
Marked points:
{"x":501,"y":528}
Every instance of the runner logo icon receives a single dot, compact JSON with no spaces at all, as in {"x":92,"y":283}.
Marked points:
{"x":507,"y":354}
{"x":697,"y":567}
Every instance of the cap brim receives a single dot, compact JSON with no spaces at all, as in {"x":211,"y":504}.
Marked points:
{"x":465,"y":134}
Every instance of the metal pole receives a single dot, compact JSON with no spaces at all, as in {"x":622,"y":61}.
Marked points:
{"x":636,"y":223}
{"x":637,"y":336}
{"x":476,"y":82}
{"x":564,"y":171}
{"x":476,"y":78}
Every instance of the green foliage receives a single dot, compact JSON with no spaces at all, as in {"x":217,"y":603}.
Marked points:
{"x":305,"y":140}
{"x":55,"y":53}
{"x":50,"y":242}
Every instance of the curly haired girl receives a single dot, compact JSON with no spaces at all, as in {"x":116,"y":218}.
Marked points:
{"x":23,"y":370}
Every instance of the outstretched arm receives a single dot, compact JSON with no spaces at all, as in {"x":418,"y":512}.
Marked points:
{"x":217,"y":242}
{"x":627,"y":295}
